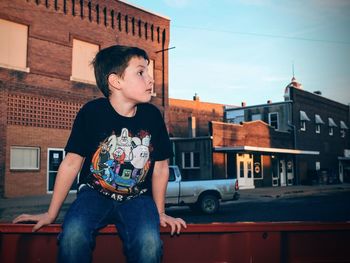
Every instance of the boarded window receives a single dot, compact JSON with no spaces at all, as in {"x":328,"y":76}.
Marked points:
{"x":25,"y":158}
{"x":13,"y":45}
{"x":82,"y":57}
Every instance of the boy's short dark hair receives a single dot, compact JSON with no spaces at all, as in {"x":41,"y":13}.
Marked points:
{"x":113,"y":59}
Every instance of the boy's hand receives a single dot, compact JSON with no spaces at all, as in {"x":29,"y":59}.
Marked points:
{"x":40,"y":219}
{"x":175,"y":223}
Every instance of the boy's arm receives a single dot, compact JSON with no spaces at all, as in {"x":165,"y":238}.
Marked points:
{"x":67,"y":172}
{"x":159,"y":185}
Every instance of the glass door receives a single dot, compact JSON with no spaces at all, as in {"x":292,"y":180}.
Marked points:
{"x":54,"y":159}
{"x":245,"y":171}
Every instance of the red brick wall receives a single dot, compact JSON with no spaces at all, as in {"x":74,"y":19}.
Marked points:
{"x":181,"y":110}
{"x":51,"y":32}
{"x":255,"y":133}
{"x":22,"y":183}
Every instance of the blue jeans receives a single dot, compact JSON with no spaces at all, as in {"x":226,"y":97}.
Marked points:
{"x":137,"y":221}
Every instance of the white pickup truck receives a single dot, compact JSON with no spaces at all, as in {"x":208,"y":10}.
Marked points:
{"x":202,"y":195}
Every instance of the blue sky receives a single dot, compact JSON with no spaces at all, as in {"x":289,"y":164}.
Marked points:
{"x":229,"y":51}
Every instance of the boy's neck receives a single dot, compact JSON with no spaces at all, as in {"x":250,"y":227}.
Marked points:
{"x":123,"y":109}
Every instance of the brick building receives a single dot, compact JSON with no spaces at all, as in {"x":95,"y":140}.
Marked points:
{"x":45,"y":77}
{"x":317,"y":134}
{"x":190,"y":118}
{"x":301,"y":140}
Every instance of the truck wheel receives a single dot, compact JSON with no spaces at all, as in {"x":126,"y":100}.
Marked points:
{"x":209,"y":204}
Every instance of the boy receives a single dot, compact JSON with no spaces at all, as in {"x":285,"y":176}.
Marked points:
{"x":121,"y":148}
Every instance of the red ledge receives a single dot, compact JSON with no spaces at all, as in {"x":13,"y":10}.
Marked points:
{"x":203,"y":228}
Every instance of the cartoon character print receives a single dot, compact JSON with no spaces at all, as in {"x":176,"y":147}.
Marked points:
{"x":122,"y":162}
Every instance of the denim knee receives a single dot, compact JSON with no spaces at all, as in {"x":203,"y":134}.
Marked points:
{"x":76,"y":243}
{"x":147,"y":248}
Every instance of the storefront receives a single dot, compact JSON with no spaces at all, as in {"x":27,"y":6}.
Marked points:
{"x":263,"y":167}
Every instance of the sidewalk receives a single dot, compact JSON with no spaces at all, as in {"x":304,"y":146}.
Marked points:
{"x":292,"y":191}
{"x":11,"y":207}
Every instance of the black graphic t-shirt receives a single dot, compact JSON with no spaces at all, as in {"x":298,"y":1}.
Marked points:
{"x":119,"y":151}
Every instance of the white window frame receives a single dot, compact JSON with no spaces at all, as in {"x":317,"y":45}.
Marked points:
{"x":330,"y":131}
{"x":318,"y":128}
{"x":14,"y":47}
{"x":303,"y":125}
{"x":192,"y":164}
{"x":270,"y":114}
{"x":342,"y":133}
{"x":76,"y":64}
{"x":35,"y":167}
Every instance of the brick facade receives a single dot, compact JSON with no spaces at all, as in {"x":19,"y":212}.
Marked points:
{"x":37,"y":108}
{"x":254,"y":133}
{"x":330,"y":146}
{"x":204,"y":112}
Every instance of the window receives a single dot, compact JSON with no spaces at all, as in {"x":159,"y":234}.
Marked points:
{"x":151,"y":73}
{"x":235,"y":116}
{"x":343,"y":128}
{"x":331,"y":125}
{"x":190,"y":160}
{"x":171,"y":175}
{"x":83,"y":54}
{"x":24,"y":158}
{"x":303,"y":119}
{"x":318,"y":128}
{"x":13,"y":45}
{"x":318,"y":121}
{"x":342,"y":133}
{"x":256,"y":117}
{"x":273,"y":120}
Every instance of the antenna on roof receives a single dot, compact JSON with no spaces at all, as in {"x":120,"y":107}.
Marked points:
{"x":293,"y":68}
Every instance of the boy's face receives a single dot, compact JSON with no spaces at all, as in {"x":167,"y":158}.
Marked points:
{"x":136,"y":85}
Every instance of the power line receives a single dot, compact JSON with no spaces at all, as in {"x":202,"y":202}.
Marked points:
{"x":264,"y":35}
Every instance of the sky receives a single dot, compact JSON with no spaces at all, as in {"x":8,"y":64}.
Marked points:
{"x":233,"y":51}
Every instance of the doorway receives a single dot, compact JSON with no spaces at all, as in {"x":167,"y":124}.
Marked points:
{"x":54,"y":158}
{"x":245,"y":171}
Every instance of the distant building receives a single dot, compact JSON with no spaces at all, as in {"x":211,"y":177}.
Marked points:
{"x":45,"y":77}
{"x":301,"y":140}
{"x":319,"y":138}
{"x":190,"y":118}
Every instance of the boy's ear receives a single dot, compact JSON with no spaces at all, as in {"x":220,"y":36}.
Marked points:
{"x":113,"y":81}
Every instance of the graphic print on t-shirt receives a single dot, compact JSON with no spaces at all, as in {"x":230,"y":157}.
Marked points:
{"x":121,"y":162}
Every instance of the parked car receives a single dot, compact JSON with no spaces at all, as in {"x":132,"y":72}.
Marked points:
{"x":202,"y":195}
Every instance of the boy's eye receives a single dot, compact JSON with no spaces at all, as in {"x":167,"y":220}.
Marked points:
{"x":140,"y":73}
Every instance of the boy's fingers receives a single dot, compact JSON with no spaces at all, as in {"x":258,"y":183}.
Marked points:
{"x":21,"y":218}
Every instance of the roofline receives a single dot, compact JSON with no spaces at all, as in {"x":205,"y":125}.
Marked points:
{"x":143,"y":9}
{"x":323,"y":97}
{"x":259,"y":105}
{"x":264,"y":149}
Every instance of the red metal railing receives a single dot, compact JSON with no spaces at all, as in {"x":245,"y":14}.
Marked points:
{"x":217,"y":242}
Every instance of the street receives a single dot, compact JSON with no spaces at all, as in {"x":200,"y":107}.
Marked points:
{"x":320,"y":207}
{"x":253,"y":206}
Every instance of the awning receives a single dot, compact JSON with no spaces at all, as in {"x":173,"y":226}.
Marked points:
{"x":331,"y":123}
{"x":343,"y":125}
{"x":263,"y":149}
{"x":303,"y":116}
{"x":318,"y":119}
